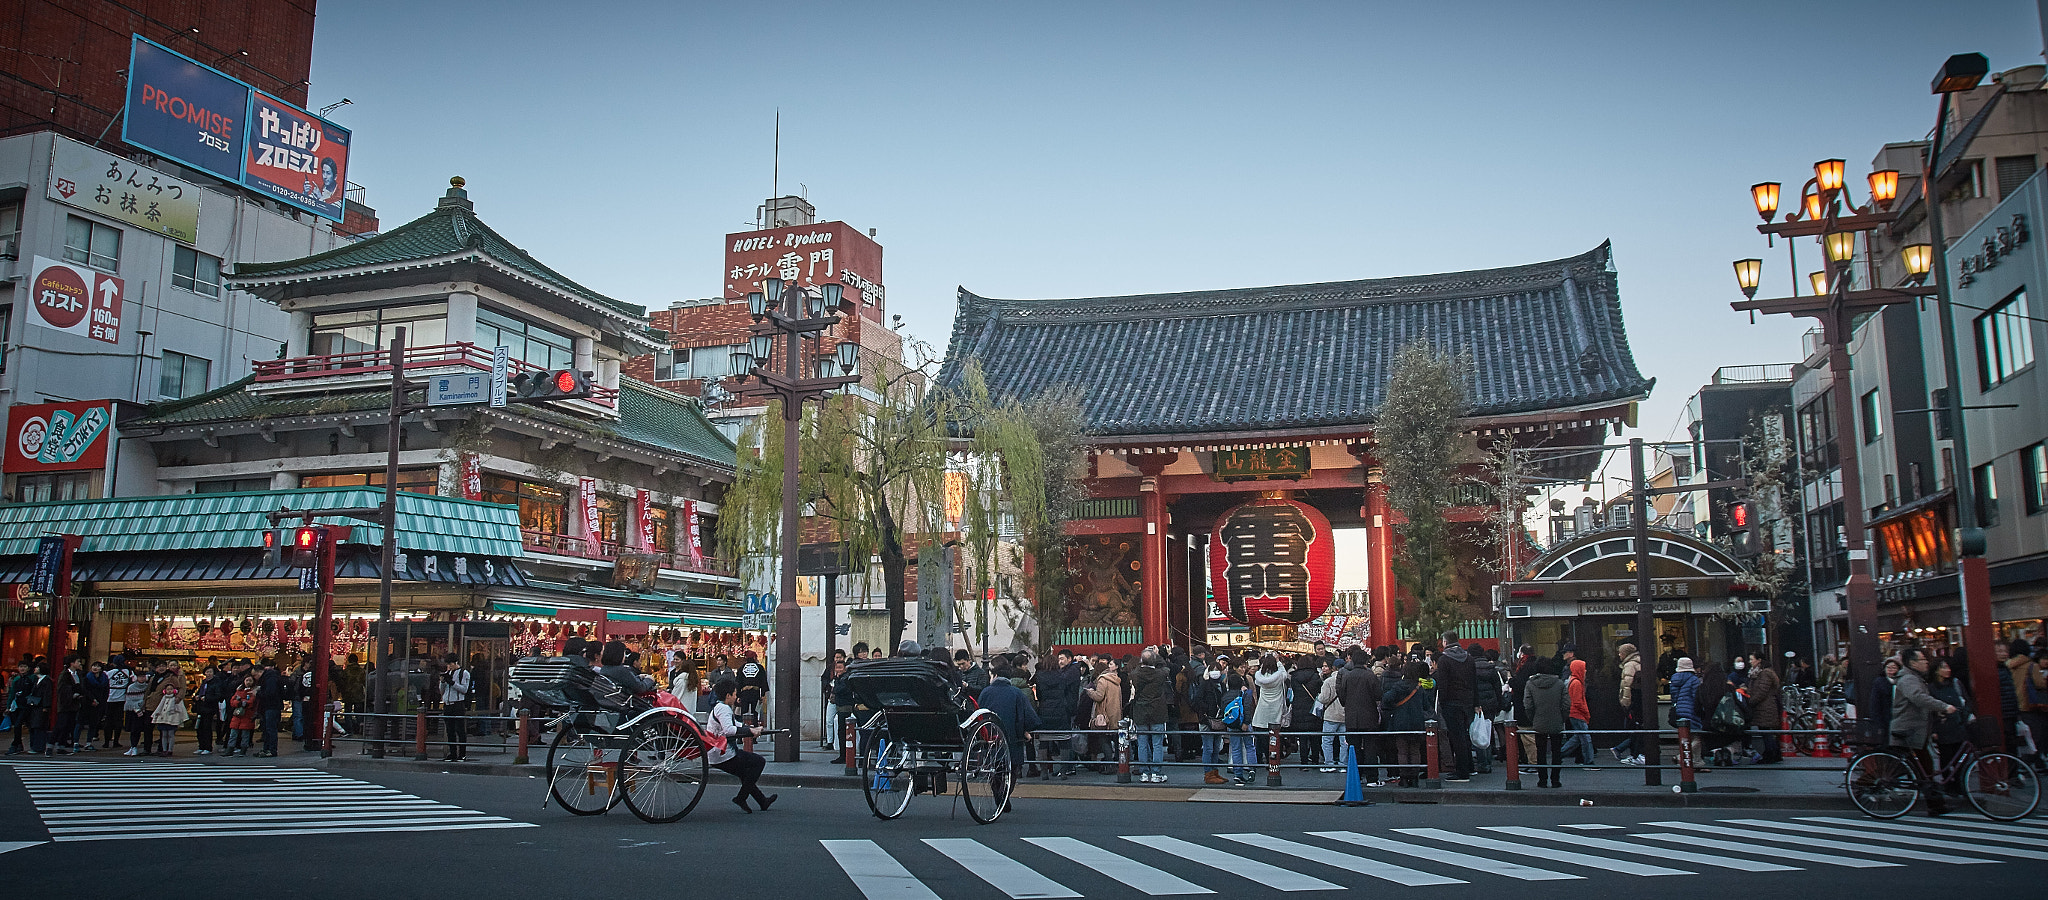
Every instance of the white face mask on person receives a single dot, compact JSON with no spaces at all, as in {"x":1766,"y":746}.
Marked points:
{"x":1740,"y":665}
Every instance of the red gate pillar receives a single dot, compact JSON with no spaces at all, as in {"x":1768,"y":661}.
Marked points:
{"x":1379,"y":558}
{"x":1155,"y":604}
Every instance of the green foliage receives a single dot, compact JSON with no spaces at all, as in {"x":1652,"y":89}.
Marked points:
{"x":1419,"y":436}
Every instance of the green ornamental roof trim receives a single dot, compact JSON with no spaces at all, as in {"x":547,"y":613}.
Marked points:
{"x":648,"y":415}
{"x":452,"y":229}
{"x":426,"y":523}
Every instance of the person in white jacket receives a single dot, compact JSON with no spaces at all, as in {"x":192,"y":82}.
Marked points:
{"x":1333,"y":720}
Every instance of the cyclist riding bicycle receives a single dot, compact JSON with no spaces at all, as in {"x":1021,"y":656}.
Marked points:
{"x":1913,"y":709}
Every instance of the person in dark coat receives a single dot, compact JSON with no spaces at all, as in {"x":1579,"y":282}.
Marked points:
{"x":1059,"y":694}
{"x":1715,"y":740}
{"x":1013,"y":710}
{"x":1950,"y":729}
{"x":1549,"y":706}
{"x":1359,"y":691}
{"x":1306,"y":682}
{"x":1405,"y":705}
{"x":1765,"y":709}
{"x":1151,"y":690}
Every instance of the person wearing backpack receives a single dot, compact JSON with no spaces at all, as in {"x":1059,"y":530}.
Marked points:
{"x":1239,"y":702}
{"x":1406,"y":704}
{"x":1205,"y":697}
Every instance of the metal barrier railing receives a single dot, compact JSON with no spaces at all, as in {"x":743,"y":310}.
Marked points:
{"x":420,"y":729}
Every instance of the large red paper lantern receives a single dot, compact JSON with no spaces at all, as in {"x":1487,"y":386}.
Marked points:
{"x":1272,"y":562}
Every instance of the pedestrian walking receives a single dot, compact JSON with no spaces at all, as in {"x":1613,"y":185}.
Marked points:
{"x":727,"y":756}
{"x":1912,"y":727}
{"x":1578,"y":745}
{"x":67,"y":695}
{"x":1456,"y":696}
{"x":1685,"y":693}
{"x":2022,"y":678}
{"x":270,"y":697}
{"x":1013,"y":711}
{"x":1549,"y":705}
{"x":753,"y":685}
{"x":1766,"y":709}
{"x":21,"y":706}
{"x":1105,"y":695}
{"x":1950,"y":729}
{"x":1632,"y":718}
{"x":455,"y":688}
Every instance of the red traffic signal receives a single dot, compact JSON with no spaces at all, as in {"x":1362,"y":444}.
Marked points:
{"x":1740,"y":515}
{"x":552,"y":384}
{"x":305,"y":549}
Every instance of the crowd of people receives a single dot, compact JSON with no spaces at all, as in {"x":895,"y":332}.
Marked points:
{"x":89,"y":707}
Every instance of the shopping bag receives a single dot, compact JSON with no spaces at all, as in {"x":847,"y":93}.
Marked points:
{"x":1482,"y":732}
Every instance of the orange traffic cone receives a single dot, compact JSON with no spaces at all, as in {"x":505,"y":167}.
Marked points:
{"x":1820,"y":737}
{"x":1786,"y":746}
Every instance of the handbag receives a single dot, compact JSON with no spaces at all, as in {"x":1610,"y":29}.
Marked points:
{"x":1729,"y":715}
{"x":1100,"y":721}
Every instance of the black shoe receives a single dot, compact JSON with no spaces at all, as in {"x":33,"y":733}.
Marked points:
{"x":768,"y":801}
{"x":741,"y":802}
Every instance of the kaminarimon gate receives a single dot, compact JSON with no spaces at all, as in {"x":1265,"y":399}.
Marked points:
{"x":1241,"y":420}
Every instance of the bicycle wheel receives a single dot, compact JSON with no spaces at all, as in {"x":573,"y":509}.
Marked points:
{"x":1884,"y":786}
{"x":985,"y":771}
{"x":2001,"y":787}
{"x":582,"y":774}
{"x":885,"y":772}
{"x":663,"y":775}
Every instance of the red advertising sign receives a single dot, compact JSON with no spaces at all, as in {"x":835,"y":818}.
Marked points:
{"x":76,"y":299}
{"x":695,"y":541}
{"x":586,"y":503}
{"x":472,"y":477}
{"x":58,"y":437}
{"x":296,"y":156}
{"x":643,"y":520}
{"x":1276,"y":564}
{"x":809,"y":255}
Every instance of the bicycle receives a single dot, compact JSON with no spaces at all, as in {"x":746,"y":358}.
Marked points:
{"x":1885,"y":784}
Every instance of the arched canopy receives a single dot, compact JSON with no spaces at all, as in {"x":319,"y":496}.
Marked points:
{"x":1610,"y":555}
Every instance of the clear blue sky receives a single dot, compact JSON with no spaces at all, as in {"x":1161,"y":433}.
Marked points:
{"x":1045,"y":149}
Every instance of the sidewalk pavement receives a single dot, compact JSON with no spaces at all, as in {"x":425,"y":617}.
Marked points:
{"x":1798,"y":783}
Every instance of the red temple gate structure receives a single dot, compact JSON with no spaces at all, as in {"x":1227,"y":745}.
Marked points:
{"x":1246,"y":416}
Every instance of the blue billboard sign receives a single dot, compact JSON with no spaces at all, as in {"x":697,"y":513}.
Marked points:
{"x":186,"y":111}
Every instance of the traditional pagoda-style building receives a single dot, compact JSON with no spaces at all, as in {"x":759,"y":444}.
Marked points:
{"x":1245,"y":418}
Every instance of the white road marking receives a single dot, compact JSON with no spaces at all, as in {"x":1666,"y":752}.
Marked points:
{"x":1602,"y":863}
{"x":1269,"y":875}
{"x":1384,"y":871}
{"x":1129,"y":871}
{"x":1704,"y":859}
{"x":1003,"y":873}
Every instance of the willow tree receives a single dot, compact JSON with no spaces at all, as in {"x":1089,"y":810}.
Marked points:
{"x":871,"y":463}
{"x":1420,"y":435}
{"x":1020,"y":456}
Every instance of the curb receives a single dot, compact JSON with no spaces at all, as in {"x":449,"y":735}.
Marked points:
{"x":1029,"y":790}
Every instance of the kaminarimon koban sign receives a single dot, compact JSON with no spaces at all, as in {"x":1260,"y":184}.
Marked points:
{"x":1272,"y":563}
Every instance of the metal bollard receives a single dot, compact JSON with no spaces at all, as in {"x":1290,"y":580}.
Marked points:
{"x":1686,"y":785}
{"x":1514,"y":757}
{"x":1123,"y":753}
{"x":1434,"y":778}
{"x":525,"y":737}
{"x":848,"y":743}
{"x":326,"y":732}
{"x":419,"y":734}
{"x":1273,"y":759}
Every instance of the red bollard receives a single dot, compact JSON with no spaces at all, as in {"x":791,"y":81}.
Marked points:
{"x":848,"y":744}
{"x":1514,"y":755}
{"x":419,"y":734}
{"x":1434,"y":777}
{"x":525,"y":737}
{"x":1273,"y":759}
{"x":1686,"y":785}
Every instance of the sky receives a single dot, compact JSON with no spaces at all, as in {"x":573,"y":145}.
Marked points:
{"x":1045,"y":149}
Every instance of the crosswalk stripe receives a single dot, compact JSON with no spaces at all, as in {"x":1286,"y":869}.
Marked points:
{"x":877,"y":874}
{"x":1578,"y":859}
{"x":143,"y":823}
{"x":187,"y":826}
{"x":1001,"y":872}
{"x":1693,"y":840}
{"x":1704,"y":859}
{"x":1271,"y":876}
{"x":186,"y":812}
{"x":1129,"y":871}
{"x":1449,"y":857}
{"x":1591,"y":826}
{"x":280,"y":832}
{"x":1879,"y":835}
{"x":1917,"y":828}
{"x":203,"y":793}
{"x":1946,"y":824}
{"x":1824,"y":844}
{"x":1382,"y":870}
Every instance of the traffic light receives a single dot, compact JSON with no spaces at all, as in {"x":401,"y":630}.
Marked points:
{"x":305,"y":548}
{"x":1742,"y":528}
{"x":274,"y":542}
{"x":551,"y":384}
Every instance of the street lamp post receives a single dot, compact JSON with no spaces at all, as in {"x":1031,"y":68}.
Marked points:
{"x":1823,"y":213}
{"x":793,"y":314}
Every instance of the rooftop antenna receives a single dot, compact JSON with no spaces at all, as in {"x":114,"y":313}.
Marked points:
{"x":775,"y":186}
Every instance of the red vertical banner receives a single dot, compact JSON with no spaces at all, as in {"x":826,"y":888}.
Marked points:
{"x":692,"y":539}
{"x":586,"y":510}
{"x":643,"y":521}
{"x":472,"y":477}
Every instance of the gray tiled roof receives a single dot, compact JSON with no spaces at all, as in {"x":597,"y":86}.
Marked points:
{"x":1543,"y":336}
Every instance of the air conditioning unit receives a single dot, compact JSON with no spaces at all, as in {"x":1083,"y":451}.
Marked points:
{"x":1757,"y":606}
{"x":1519,"y":611}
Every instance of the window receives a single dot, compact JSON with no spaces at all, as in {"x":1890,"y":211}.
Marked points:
{"x":664,"y":530}
{"x":2005,"y":341}
{"x":1948,"y":468}
{"x":1891,"y":491}
{"x":611,"y":522}
{"x":181,"y":376}
{"x":712,"y":362}
{"x":91,"y":243}
{"x":2034,"y":462}
{"x":1817,"y":433}
{"x":55,"y":486}
{"x":665,"y":364}
{"x":2013,"y":171}
{"x":531,"y":343}
{"x":6,"y":332}
{"x":367,"y":330}
{"x":1827,"y":547}
{"x":1972,"y":184}
{"x":1873,"y":417}
{"x":230,"y":485}
{"x":543,"y":508}
{"x":195,"y":271}
{"x":412,"y":481}
{"x":1986,"y":479}
{"x":10,"y":230}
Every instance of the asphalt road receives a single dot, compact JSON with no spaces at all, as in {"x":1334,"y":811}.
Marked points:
{"x":171,"y":830}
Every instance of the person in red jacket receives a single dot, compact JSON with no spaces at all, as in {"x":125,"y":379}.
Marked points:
{"x":242,"y":717}
{"x":1579,"y":744}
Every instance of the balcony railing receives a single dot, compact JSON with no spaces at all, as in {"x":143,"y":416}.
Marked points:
{"x":564,"y":545}
{"x":463,"y":355}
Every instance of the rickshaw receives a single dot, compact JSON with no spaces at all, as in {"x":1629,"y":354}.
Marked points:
{"x":925,"y":736}
{"x":609,"y":746}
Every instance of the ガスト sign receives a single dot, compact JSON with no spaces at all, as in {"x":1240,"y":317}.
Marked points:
{"x":76,"y":299}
